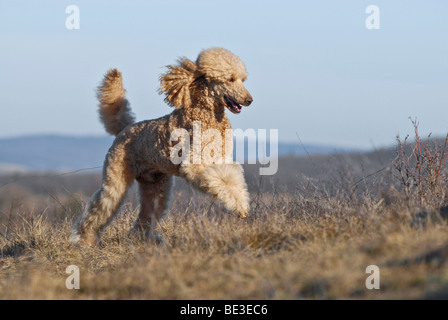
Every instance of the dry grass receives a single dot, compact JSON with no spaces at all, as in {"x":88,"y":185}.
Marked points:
{"x":289,"y":249}
{"x":312,"y":242}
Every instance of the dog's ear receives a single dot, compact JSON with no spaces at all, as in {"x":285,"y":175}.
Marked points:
{"x":175,"y":83}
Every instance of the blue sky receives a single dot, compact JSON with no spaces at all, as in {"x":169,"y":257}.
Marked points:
{"x":315,"y":70}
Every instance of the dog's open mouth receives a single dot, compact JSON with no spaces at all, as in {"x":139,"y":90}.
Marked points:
{"x":232,"y":105}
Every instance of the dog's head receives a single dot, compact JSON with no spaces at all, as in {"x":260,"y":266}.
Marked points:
{"x":217,"y":71}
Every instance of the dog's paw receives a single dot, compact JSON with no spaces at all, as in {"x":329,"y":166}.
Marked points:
{"x":148,"y":235}
{"x":242,"y":214}
{"x":78,"y":239}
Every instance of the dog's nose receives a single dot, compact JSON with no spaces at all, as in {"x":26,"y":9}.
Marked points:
{"x":248,"y":100}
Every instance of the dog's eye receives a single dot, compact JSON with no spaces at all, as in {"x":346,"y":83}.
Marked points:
{"x":232,"y":79}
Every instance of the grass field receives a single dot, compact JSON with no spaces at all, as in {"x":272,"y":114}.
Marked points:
{"x":312,"y":231}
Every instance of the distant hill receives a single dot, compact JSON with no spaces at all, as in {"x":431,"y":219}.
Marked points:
{"x":66,"y":153}
{"x":53,"y":152}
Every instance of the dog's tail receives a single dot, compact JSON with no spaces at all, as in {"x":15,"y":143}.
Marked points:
{"x":114,"y":109}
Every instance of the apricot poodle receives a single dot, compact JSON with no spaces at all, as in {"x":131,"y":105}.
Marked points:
{"x":200,"y":91}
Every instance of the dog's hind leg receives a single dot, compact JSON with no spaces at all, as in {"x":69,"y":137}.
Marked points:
{"x":104,"y":203}
{"x":222,"y":181}
{"x":155,"y":196}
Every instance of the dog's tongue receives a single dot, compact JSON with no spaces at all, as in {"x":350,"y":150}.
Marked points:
{"x":236,"y":106}
{"x":232,"y":105}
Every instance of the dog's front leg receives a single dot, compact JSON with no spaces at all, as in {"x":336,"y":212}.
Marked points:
{"x":222,"y":181}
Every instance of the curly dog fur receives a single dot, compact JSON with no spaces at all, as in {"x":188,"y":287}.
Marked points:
{"x":199,"y":91}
